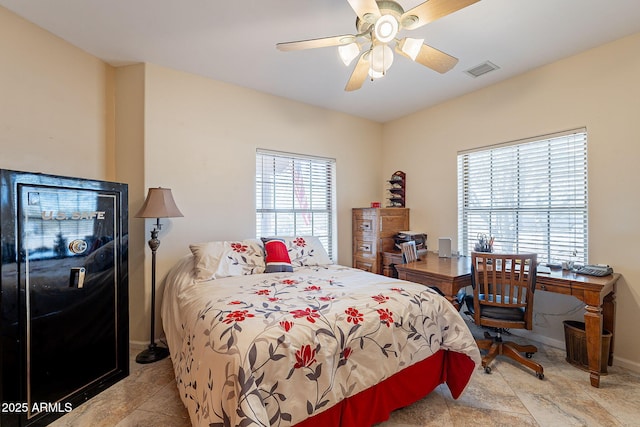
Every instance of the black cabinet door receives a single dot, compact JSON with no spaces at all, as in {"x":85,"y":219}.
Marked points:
{"x":70,"y":294}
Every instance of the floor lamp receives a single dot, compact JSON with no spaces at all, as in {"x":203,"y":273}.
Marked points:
{"x":159,"y":204}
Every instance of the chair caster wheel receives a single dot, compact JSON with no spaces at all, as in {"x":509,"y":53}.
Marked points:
{"x":529,"y":355}
{"x":487,"y":369}
{"x":540,"y":375}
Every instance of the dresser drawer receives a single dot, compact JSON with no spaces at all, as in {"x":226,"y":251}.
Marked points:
{"x":373,"y":231}
{"x":365,"y":264}
{"x":364,"y":247}
{"x":363,"y":225}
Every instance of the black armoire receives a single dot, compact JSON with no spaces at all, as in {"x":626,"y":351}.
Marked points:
{"x":64,"y":323}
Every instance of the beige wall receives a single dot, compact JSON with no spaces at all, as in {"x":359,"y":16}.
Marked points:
{"x":201,"y":138}
{"x":54,"y":101}
{"x":129,"y":86}
{"x":597,"y":89}
{"x":63,"y":111}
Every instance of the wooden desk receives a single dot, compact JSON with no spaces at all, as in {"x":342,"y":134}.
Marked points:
{"x":391,"y":258}
{"x":447,"y":274}
{"x":598,"y":293}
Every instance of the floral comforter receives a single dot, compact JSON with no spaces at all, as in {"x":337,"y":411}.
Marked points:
{"x":274,"y":349}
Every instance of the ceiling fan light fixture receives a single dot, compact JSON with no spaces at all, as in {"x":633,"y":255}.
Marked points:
{"x":348,"y":52}
{"x":386,"y":28}
{"x":378,"y":24}
{"x":380,"y":60}
{"x":375,"y":74}
{"x":411,"y":47}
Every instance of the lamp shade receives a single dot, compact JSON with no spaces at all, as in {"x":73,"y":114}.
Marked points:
{"x":348,"y":52}
{"x":380,"y":60}
{"x":411,"y":47}
{"x":159,"y":204}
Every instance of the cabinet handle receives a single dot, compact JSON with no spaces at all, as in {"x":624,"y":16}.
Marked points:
{"x":365,"y":226}
{"x":76,"y":277}
{"x":365,"y":248}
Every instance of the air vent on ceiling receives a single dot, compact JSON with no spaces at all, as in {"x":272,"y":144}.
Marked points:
{"x":484,"y":68}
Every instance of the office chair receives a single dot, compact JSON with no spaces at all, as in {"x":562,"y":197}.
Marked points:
{"x":503,"y":288}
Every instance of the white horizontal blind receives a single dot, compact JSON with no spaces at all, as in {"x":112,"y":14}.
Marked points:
{"x":530,"y":196}
{"x":295,"y":196}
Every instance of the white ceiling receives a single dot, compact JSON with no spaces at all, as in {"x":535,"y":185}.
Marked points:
{"x":234,"y":41}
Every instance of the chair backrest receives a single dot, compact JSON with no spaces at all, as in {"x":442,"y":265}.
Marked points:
{"x":409,"y":251}
{"x":503,"y":288}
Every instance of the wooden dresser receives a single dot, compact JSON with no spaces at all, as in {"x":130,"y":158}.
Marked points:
{"x":373,"y":232}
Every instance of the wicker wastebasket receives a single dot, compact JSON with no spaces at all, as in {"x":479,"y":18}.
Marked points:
{"x":575,"y":339}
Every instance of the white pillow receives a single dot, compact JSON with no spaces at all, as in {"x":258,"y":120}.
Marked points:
{"x":306,"y":251}
{"x":214,"y":260}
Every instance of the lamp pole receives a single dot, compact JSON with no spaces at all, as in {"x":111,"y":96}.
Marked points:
{"x":153,"y":352}
{"x":158,"y":204}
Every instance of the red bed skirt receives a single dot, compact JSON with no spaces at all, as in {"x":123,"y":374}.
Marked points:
{"x":374,"y":404}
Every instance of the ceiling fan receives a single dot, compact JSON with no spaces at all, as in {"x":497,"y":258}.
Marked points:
{"x":378,"y":23}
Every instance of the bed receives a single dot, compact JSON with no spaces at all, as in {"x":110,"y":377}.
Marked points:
{"x":263,"y":341}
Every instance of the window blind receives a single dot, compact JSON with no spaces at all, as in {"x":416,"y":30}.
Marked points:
{"x":295,"y":196}
{"x":531,"y":196}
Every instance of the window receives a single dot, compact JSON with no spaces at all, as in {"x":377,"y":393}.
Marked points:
{"x":295,"y":197}
{"x":531,"y":196}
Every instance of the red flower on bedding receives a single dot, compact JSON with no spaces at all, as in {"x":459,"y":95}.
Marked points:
{"x":397,"y":289}
{"x":286,"y":325}
{"x":263,"y":292}
{"x":237,"y":316}
{"x":305,"y":357}
{"x":380,"y":298}
{"x":346,"y":353}
{"x":313,"y":288}
{"x":238,"y":247}
{"x":309,"y":313}
{"x":274,"y":299}
{"x":299,"y":241}
{"x":235,"y":302}
{"x":354,"y":316}
{"x":289,"y":282}
{"x":326,"y":298}
{"x":386,"y":316}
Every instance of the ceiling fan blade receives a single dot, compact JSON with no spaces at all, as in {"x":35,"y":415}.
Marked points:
{"x":359,"y":74}
{"x":431,"y":10}
{"x":315,"y":43}
{"x":363,"y":7}
{"x":432,"y":58}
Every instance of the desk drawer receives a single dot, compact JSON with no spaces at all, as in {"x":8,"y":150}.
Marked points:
{"x":551,"y":287}
{"x":416,"y":278}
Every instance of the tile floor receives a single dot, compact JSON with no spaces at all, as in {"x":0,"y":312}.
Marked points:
{"x":510,"y":395}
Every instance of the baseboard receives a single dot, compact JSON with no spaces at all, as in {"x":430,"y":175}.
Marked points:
{"x":144,"y":344}
{"x":626,"y":363}
{"x":138,"y":344}
{"x":617,"y":361}
{"x":539,"y":338}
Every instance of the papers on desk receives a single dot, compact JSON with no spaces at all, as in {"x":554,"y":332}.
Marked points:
{"x":544,"y":269}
